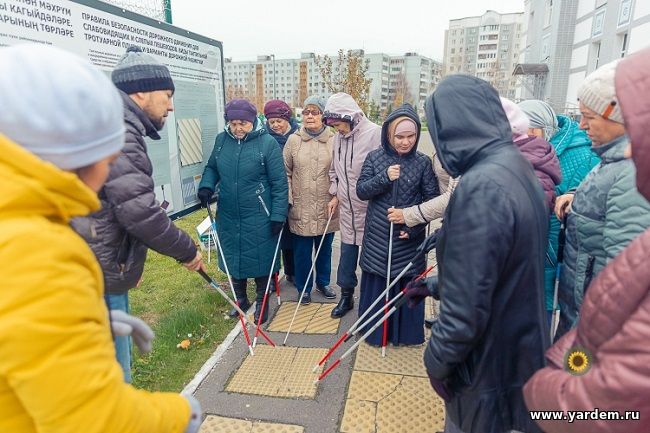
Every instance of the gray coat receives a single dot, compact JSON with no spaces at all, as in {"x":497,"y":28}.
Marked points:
{"x":606,"y":214}
{"x":131,"y":219}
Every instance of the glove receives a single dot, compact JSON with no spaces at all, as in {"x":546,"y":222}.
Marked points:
{"x":204,"y":195}
{"x":196,"y":416}
{"x":441,"y":389}
{"x":123,"y":324}
{"x":276,"y":227}
{"x":417,"y":290}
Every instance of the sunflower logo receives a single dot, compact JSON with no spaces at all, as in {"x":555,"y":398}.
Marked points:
{"x":578,"y":361}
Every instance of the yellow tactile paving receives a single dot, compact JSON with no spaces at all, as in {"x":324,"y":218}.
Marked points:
{"x":278,"y":372}
{"x":400,"y":360}
{"x":425,"y":414}
{"x":372,"y":386}
{"x":311,"y":319}
{"x":322,"y":322}
{"x":219,"y":424}
{"x":359,"y":416}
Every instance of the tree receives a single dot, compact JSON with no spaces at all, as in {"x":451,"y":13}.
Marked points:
{"x":373,"y":112}
{"x":234,"y":91}
{"x":402,"y":93}
{"x":347,"y":75}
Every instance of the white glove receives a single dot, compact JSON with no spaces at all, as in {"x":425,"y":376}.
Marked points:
{"x":124,"y":324}
{"x":196,"y":416}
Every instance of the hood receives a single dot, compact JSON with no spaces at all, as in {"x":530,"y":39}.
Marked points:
{"x":541,"y":155}
{"x":569,"y":135}
{"x":31,"y":186}
{"x":405,"y":110}
{"x":633,"y":91}
{"x":344,"y":105}
{"x":465,"y":120}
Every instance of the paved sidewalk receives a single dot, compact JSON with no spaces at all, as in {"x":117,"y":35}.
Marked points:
{"x":274,"y":391}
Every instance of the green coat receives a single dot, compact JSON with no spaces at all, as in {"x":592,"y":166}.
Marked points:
{"x":245,"y":171}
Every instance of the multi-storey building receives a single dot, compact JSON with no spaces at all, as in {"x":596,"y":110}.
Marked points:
{"x":487,"y":46}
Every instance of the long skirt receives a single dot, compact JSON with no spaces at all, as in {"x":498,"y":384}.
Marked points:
{"x":405,"y":326}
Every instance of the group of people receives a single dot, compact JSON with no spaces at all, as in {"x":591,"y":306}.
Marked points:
{"x":510,"y":185}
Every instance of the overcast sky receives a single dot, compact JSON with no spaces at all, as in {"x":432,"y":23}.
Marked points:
{"x":253,"y":27}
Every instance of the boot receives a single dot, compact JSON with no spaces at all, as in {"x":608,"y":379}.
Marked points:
{"x":242,"y":298}
{"x":258,"y":304}
{"x":346,"y":303}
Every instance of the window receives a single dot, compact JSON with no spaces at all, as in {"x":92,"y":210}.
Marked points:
{"x":624,"y":12}
{"x":623,"y":44}
{"x":546,"y":47}
{"x":599,"y":19}
{"x":548,"y":11}
{"x":452,"y":51}
{"x":504,"y":37}
{"x":596,"y":48}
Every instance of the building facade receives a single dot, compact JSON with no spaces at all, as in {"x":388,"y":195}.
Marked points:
{"x":486,"y":46}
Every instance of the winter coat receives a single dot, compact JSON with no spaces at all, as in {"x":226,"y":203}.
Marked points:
{"x":545,"y":163}
{"x":348,"y":154}
{"x":606,"y":214}
{"x":131,"y":219}
{"x":417,"y":183}
{"x":491,"y":333}
{"x":250,"y":178}
{"x":307,"y":161}
{"x":57,"y":360}
{"x":615,"y":316}
{"x":573,"y":149}
{"x":435,"y":208}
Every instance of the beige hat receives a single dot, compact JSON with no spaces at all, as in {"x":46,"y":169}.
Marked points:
{"x":598,"y":93}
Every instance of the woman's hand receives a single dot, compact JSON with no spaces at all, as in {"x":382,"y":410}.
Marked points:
{"x":563,"y":205}
{"x":332,"y":206}
{"x":393,"y":172}
{"x":396,"y":215}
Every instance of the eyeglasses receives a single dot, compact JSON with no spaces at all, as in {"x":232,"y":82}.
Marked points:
{"x":312,"y":112}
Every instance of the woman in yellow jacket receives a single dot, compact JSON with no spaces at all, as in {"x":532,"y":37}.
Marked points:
{"x":60,"y":126}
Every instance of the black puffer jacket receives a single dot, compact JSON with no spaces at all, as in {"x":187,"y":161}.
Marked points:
{"x":417,"y":183}
{"x":131,"y":219}
{"x":490,"y":337}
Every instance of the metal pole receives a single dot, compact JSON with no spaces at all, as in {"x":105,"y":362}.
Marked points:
{"x":168,"y":11}
{"x":273,"y":56}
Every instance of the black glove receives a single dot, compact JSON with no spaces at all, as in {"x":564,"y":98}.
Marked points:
{"x":418,"y":289}
{"x":204,"y":195}
{"x":276,"y":227}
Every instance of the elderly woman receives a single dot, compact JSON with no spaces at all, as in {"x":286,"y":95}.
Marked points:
{"x":246,"y":164}
{"x":395,"y":175}
{"x":280,"y":124}
{"x":573,"y":149}
{"x":307,"y":161}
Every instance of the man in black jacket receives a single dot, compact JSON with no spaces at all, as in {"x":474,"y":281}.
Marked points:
{"x":131,"y":220}
{"x":490,"y":337}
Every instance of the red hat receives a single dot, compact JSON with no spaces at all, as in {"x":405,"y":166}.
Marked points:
{"x":276,"y":109}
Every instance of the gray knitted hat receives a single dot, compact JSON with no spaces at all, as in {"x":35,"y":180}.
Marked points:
{"x":318,"y":101}
{"x":598,"y":93}
{"x":140,"y":72}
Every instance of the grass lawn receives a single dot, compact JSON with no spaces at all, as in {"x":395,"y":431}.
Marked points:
{"x":178,"y":305}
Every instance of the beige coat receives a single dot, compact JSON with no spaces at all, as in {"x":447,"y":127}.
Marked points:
{"x":435,"y":208}
{"x":307,"y":161}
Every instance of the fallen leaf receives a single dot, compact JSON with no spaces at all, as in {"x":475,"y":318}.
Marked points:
{"x":183,"y":344}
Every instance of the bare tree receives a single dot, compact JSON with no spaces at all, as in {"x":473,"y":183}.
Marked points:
{"x":401,"y":91}
{"x":347,"y":75}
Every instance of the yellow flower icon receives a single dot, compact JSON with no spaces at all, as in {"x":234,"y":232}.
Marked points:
{"x":577,"y":361}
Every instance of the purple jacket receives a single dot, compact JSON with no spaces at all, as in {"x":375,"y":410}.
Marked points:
{"x":348,"y":154}
{"x":541,"y":155}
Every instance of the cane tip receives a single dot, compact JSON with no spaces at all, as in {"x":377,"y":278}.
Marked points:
{"x":316,"y":381}
{"x":315,"y":369}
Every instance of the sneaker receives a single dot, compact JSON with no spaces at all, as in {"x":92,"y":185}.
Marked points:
{"x":306,"y":299}
{"x":326,"y":291}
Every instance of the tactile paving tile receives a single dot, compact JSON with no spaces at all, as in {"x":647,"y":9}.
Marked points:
{"x":311,"y":319}
{"x":372,"y":386}
{"x":403,"y":360}
{"x":219,"y":424}
{"x":278,"y":372}
{"x":426,"y":412}
{"x":322,"y":322}
{"x":300,"y":380}
{"x":359,"y":416}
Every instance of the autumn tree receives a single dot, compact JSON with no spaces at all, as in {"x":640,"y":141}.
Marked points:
{"x":401,"y":92}
{"x":234,"y":91}
{"x":346,"y":74}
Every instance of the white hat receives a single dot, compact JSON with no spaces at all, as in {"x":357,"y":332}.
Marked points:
{"x":59,"y":106}
{"x":598,"y":93}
